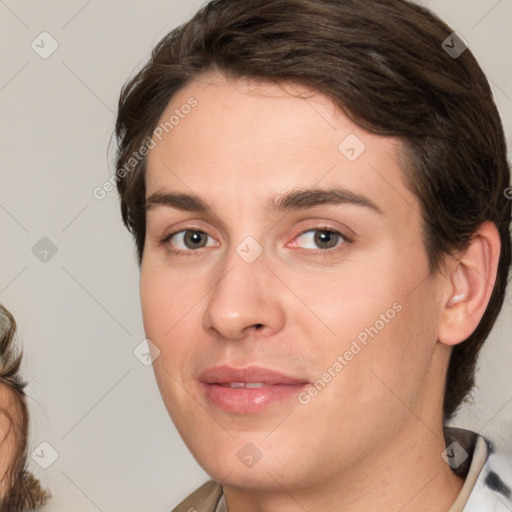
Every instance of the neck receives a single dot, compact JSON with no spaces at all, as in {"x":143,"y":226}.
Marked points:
{"x":407,"y":474}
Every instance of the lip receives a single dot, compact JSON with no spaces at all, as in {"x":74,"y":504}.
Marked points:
{"x":277,"y":387}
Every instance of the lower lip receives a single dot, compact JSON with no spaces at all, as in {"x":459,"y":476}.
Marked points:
{"x":249,"y":400}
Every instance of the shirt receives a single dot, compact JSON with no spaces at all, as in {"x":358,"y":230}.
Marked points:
{"x":487,"y":477}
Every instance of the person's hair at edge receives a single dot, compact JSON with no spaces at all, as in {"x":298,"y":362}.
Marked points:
{"x":382,"y":63}
{"x":22,"y":491}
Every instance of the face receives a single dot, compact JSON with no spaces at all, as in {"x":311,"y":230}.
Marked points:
{"x":8,"y":441}
{"x":321,"y":301}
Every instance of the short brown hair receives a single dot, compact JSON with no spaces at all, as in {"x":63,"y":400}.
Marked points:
{"x":383,"y":64}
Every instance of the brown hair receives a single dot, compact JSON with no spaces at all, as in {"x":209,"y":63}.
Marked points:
{"x":382,"y":63}
{"x":22,"y":490}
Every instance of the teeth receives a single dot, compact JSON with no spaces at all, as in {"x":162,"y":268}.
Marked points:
{"x":235,"y":385}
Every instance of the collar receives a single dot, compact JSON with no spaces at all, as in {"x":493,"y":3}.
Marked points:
{"x":487,"y":473}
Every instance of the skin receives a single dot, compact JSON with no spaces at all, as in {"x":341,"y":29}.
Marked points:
{"x":8,"y":442}
{"x":372,"y":438}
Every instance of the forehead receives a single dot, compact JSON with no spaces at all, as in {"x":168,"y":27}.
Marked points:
{"x":260,"y":139}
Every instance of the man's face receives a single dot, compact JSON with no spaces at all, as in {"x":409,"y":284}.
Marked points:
{"x":355,"y":313}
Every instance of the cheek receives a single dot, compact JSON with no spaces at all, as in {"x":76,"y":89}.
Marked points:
{"x":338,"y":306}
{"x":171,"y":311}
{"x":161,"y":312}
{"x":153,"y":301}
{"x":167,"y":298}
{"x":390,"y":371}
{"x":383,"y":324}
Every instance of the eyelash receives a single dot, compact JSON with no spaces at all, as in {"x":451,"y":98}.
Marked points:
{"x":321,"y":252}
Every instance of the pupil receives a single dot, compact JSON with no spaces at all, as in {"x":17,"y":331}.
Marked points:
{"x":195,"y":237}
{"x":325,"y":237}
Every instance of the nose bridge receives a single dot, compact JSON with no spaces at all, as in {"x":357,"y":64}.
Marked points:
{"x":240,"y":297}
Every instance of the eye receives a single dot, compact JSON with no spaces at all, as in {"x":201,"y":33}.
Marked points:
{"x":186,"y":240}
{"x":324,"y":238}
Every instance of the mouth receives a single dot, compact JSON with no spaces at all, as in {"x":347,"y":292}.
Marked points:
{"x":236,"y":385}
{"x":248,"y":390}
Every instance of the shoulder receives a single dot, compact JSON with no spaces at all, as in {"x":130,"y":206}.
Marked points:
{"x":493,"y":487}
{"x":204,"y":499}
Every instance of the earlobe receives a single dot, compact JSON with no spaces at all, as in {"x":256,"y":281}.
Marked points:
{"x":469,"y":285}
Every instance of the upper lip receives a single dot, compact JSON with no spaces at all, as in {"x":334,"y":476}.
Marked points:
{"x":226,"y":374}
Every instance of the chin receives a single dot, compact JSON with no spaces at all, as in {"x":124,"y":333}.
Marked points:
{"x":248,"y":479}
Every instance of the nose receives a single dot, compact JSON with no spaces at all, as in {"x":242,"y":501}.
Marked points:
{"x":244,"y":299}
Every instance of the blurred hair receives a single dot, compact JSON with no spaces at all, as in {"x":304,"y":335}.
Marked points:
{"x":22,"y":490}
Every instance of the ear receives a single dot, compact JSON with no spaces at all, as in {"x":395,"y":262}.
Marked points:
{"x":469,"y":285}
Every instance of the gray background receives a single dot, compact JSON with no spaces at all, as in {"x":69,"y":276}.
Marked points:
{"x":79,"y":316}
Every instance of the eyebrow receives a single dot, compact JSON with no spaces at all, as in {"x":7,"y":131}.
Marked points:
{"x":298,"y":199}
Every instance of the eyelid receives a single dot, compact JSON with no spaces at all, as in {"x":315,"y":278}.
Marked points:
{"x":316,"y":225}
{"x":343,"y":240}
{"x":191,"y":226}
{"x":167,"y":238}
{"x":322,"y":225}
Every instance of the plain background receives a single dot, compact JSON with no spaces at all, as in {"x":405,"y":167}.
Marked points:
{"x":79,"y":316}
